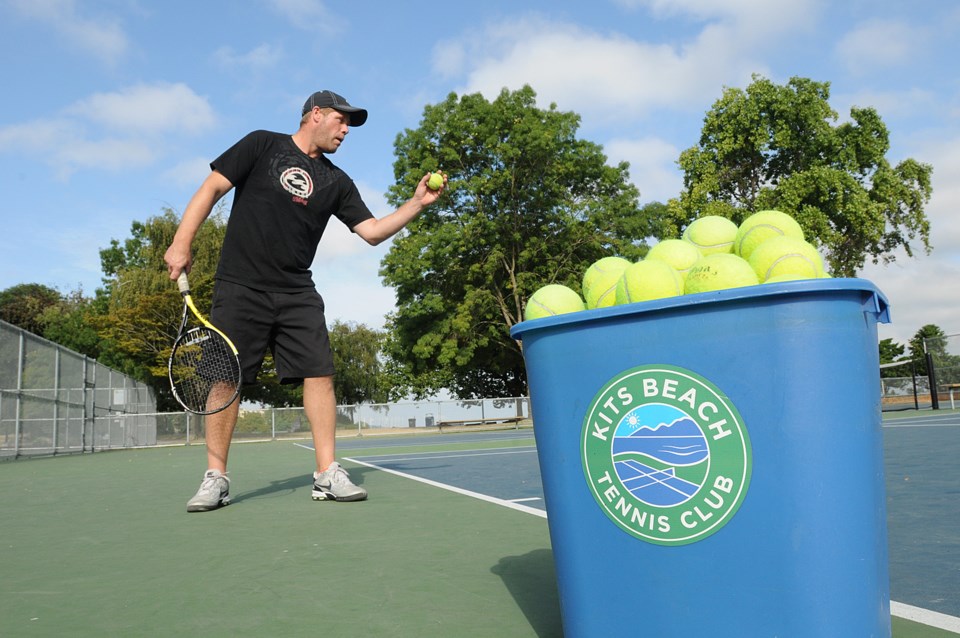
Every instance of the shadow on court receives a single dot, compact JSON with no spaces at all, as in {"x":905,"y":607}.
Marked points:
{"x":290,"y":485}
{"x":275,"y":488}
{"x":531,"y":580}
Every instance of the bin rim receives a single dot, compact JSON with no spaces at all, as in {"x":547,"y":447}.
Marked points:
{"x":780,"y":289}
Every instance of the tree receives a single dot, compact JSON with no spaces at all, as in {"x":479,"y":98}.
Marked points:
{"x":23,"y":305}
{"x":356,"y":356}
{"x":890,"y":351}
{"x":72,"y":323}
{"x":527,"y":204}
{"x":777,"y":147}
{"x":142,"y":307}
{"x":929,"y":338}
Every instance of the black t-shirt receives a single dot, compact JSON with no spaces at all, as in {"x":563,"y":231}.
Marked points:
{"x":281,"y":206}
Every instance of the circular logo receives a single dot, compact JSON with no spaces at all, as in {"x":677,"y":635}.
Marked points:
{"x":296,"y":181}
{"x":666,"y":454}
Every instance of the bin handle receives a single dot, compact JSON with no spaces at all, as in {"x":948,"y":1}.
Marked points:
{"x":880,"y":307}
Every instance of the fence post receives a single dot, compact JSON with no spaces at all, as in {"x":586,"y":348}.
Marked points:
{"x":17,"y":426}
{"x":913,"y":378}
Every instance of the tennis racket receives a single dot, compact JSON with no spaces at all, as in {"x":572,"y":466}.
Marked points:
{"x":204,"y":365}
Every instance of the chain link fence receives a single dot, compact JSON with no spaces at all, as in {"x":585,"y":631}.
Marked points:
{"x":931,"y":380}
{"x":54,"y":400}
{"x":943,"y":364}
{"x":354,"y":420}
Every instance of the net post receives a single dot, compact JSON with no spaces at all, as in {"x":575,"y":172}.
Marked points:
{"x":932,"y":376}
{"x":913,"y":378}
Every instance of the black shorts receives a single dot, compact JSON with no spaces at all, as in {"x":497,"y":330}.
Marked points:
{"x":291,"y":324}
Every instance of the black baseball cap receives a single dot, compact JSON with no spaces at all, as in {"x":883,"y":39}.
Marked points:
{"x":329,"y":99}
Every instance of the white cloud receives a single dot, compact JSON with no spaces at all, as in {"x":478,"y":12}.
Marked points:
{"x":604,"y":76}
{"x":103,"y":38}
{"x":878,"y":45}
{"x":942,"y":155}
{"x":65,"y":147}
{"x":310,"y":15}
{"x":755,"y":17}
{"x":257,"y":60}
{"x":112,"y":131}
{"x":448,"y":59}
{"x":907,"y":102}
{"x":188,"y":173}
{"x":159,"y":108}
{"x":346,"y":270}
{"x":36,"y":136}
{"x":653,"y":166}
{"x":920,"y":289}
{"x":339,"y":241}
{"x":916,"y":290}
{"x":352,"y":291}
{"x":108,"y":153}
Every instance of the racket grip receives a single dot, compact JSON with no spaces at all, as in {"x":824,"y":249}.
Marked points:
{"x":183,"y":284}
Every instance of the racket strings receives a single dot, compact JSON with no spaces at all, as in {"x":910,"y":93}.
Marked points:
{"x":204,"y":371}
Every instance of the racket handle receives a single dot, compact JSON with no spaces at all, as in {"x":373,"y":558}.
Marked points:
{"x":183,"y":284}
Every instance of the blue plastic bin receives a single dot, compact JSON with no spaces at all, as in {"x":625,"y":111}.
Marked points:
{"x":712,"y":464}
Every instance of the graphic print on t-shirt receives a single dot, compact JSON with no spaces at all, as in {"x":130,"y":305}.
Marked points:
{"x":300,"y":175}
{"x":297,"y":182}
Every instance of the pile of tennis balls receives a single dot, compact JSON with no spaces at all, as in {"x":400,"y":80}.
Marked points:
{"x":712,"y":254}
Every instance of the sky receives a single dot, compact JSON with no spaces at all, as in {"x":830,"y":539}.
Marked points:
{"x":113,"y":109}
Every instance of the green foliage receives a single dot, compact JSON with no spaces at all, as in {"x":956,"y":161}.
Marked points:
{"x":890,"y":351}
{"x":527,"y":204}
{"x":142,"y":307}
{"x":356,"y":356}
{"x":23,"y":305}
{"x":73,"y":324}
{"x":773,"y":146}
{"x":930,"y":339}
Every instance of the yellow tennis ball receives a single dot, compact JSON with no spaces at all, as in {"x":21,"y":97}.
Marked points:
{"x":679,"y":254}
{"x":785,"y":277}
{"x":719,"y":271}
{"x":784,"y":255}
{"x":647,"y":280}
{"x":435,"y":181}
{"x":600,"y":281}
{"x":761,"y":226}
{"x":711,"y":234}
{"x":552,"y":299}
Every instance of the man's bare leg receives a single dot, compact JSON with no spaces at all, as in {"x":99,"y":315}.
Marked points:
{"x":320,"y":406}
{"x":220,"y":428}
{"x":214,"y":491}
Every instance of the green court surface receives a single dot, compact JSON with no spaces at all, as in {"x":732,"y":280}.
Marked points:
{"x":101,"y":544}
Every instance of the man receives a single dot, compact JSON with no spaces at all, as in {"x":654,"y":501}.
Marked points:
{"x":264,"y":295}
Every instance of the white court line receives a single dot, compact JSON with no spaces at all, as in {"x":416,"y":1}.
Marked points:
{"x":925,"y":616}
{"x":459,"y":455}
{"x":451,"y":488}
{"x":919,"y":424}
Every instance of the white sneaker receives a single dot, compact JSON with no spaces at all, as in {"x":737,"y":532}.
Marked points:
{"x":335,"y":485}
{"x":214,"y":493}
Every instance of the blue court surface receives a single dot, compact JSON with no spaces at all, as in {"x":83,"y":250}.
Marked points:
{"x":922,"y":477}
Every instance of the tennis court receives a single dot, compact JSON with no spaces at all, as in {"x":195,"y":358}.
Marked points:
{"x":453,"y":541}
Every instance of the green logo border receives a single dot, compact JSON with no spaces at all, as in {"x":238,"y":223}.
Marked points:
{"x":729,"y":465}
